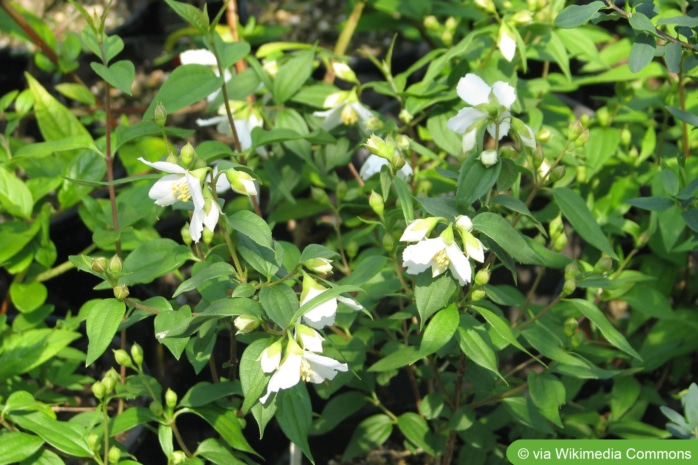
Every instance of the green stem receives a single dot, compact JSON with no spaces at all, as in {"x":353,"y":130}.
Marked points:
{"x":345,"y":36}
{"x":226,"y":100}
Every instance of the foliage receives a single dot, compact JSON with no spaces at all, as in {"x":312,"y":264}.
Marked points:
{"x":515,"y":257}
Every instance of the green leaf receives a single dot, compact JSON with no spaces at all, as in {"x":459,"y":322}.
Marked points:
{"x":252,"y":226}
{"x":474,"y":181}
{"x":226,"y":423}
{"x":194,"y":16}
{"x":263,"y":259}
{"x":368,"y":435}
{"x":611,"y":334}
{"x":524,"y":412}
{"x":153,"y":259}
{"x":252,"y":379}
{"x":685,"y":116}
{"x":16,"y":446}
{"x":691,"y":218}
{"x":294,"y":415}
{"x":504,"y":329}
{"x":439,"y":331}
{"x":405,"y":197}
{"x":556,"y":48}
{"x":27,"y":297}
{"x":214,"y":450}
{"x":444,"y":138}
{"x":203,"y":393}
{"x":24,"y":352}
{"x":672,"y":56}
{"x":317,"y":251}
{"x":642,"y":52}
{"x":119,"y":74}
{"x":280,"y":304}
{"x":15,"y":197}
{"x":208,"y":272}
{"x":652,"y":203}
{"x":503,"y":233}
{"x":338,"y":408}
{"x":641,"y":23}
{"x":548,"y":394}
{"x":103,"y":319}
{"x":129,"y":419}
{"x":576,"y":15}
{"x":78,"y":92}
{"x":474,"y":345}
{"x":432,"y":294}
{"x":624,"y":394}
{"x":292,"y":75}
{"x":165,"y":322}
{"x":577,"y":213}
{"x":230,"y":52}
{"x":14,"y":236}
{"x":45,"y":149}
{"x":403,"y":356}
{"x":416,"y":430}
{"x":186,"y":85}
{"x":54,"y":119}
{"x":65,"y":436}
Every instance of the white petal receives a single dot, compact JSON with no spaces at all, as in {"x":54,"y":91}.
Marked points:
{"x":310,"y":340}
{"x":415,"y":231}
{"x":418,"y":257}
{"x":322,"y":368}
{"x":351,"y":303}
{"x":196,"y":227}
{"x":469,"y":140}
{"x":473,"y":90}
{"x":321,"y":315}
{"x":506,"y":42}
{"x":197,"y":195}
{"x":372,"y":166}
{"x":211,"y":121}
{"x":505,"y":93}
{"x":333,"y":117}
{"x":464,"y":119}
{"x":198,"y":57}
{"x":476,"y":252}
{"x":288,"y":375}
{"x":405,"y":172}
{"x":362,"y":112}
{"x":459,"y":264}
{"x":269,"y":362}
{"x":165,"y":166}
{"x":162,"y":191}
{"x":529,"y":139}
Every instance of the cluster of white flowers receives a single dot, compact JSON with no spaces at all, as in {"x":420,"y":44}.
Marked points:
{"x":300,"y":359}
{"x":441,"y":253}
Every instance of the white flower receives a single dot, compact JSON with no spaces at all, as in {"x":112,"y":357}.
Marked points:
{"x":344,"y":108}
{"x":206,"y":216}
{"x":309,"y":339}
{"x":473,"y":247}
{"x":418,"y":229}
{"x":271,"y":357}
{"x":321,"y":315}
{"x":198,"y":57}
{"x":438,"y":255}
{"x":243,"y":128}
{"x":474,"y":91}
{"x":374,"y":163}
{"x":506,"y":42}
{"x":182,"y":186}
{"x":302,"y":365}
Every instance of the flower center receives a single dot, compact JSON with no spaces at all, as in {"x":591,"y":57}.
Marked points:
{"x":349,"y":116}
{"x":441,"y":259}
{"x":180,"y":190}
{"x":306,"y":371}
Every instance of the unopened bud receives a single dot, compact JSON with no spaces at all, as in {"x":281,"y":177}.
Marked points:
{"x":556,"y":227}
{"x":447,"y":37}
{"x":187,"y":154}
{"x":585,"y":120}
{"x":571,"y":271}
{"x":604,"y":116}
{"x":402,"y":141}
{"x":246,"y":323}
{"x":207,"y":235}
{"x":482,"y":277}
{"x":94,"y":442}
{"x":115,"y":264}
{"x":477,"y":294}
{"x":397,"y":162}
{"x":122,"y":358}
{"x":186,"y":235}
{"x":582,"y":139}
{"x":489,"y":158}
{"x":431,"y":23}
{"x":114,"y":454}
{"x":570,"y":326}
{"x":109,"y":384}
{"x":544,"y":135}
{"x":137,"y":354}
{"x":121,"y":291}
{"x":319,"y":265}
{"x":99,"y":265}
{"x":388,"y":242}
{"x":569,"y":287}
{"x":178,"y":457}
{"x":560,"y":242}
{"x":522,"y":18}
{"x":576,"y":339}
{"x":170,"y":398}
{"x":155,"y":408}
{"x":373,"y":124}
{"x":451,"y":23}
{"x":98,"y":390}
{"x":557,"y":173}
{"x":320,"y":196}
{"x":574,"y":130}
{"x":604,"y":264}
{"x":405,"y":116}
{"x":384,"y":148}
{"x":172,"y":158}
{"x":352,"y":248}
{"x":344,"y":72}
{"x":160,"y":115}
{"x":375,"y":200}
{"x":626,"y":137}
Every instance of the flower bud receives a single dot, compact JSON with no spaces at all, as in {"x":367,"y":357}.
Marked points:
{"x":447,"y":37}
{"x":451,"y":24}
{"x":320,"y":196}
{"x":388,"y":242}
{"x":122,"y":358}
{"x":187,"y":154}
{"x":405,"y":116}
{"x":137,"y":354}
{"x":626,"y":137}
{"x":94,"y":442}
{"x":99,"y":265}
{"x":431,"y":23}
{"x":246,"y":323}
{"x":482,"y":277}
{"x":604,"y":264}
{"x":419,"y":229}
{"x":604,"y":117}
{"x":397,"y":162}
{"x":375,"y":200}
{"x":172,"y":158}
{"x":522,"y":18}
{"x":576,"y":339}
{"x":241,"y":182}
{"x":121,"y":291}
{"x":557,"y":173}
{"x":114,"y":454}
{"x":571,"y":271}
{"x":207,"y":235}
{"x":487,"y":5}
{"x":477,"y":294}
{"x":155,"y":408}
{"x":569,"y":287}
{"x":98,"y":390}
{"x":382,"y":148}
{"x":109,"y":384}
{"x":186,"y":235}
{"x":556,"y":227}
{"x":271,"y":67}
{"x":560,"y":242}
{"x":402,"y":141}
{"x":574,"y":130}
{"x":489,"y":158}
{"x":352,"y":248}
{"x":170,"y":398}
{"x":318,"y":265}
{"x":373,"y":124}
{"x":115,"y":264}
{"x":544,"y":135}
{"x":584,"y":119}
{"x":160,"y":115}
{"x":344,"y":72}
{"x":582,"y":139}
{"x":178,"y":457}
{"x":570,"y":326}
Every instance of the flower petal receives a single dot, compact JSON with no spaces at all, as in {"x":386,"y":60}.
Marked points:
{"x":459,"y":264}
{"x":333,"y":117}
{"x":372,"y":166}
{"x":322,"y":368}
{"x":464,"y":119}
{"x":198,"y":57}
{"x":473,"y":90}
{"x":505,"y":93}
{"x":321,"y":315}
{"x":162,"y":191}
{"x":165,"y":166}
{"x":418,"y":257}
{"x":469,"y":140}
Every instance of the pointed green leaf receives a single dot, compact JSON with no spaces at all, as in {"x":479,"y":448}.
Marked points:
{"x":294,"y":415}
{"x":252,"y":379}
{"x":54,"y":119}
{"x":476,"y":348}
{"x":16,"y":446}
{"x":119,"y":74}
{"x":548,"y":394}
{"x":24,"y":352}
{"x":65,"y":436}
{"x":577,"y":15}
{"x":432,"y":294}
{"x":368,"y":435}
{"x":439,"y":330}
{"x":186,"y":85}
{"x":642,"y":52}
{"x":292,"y":75}
{"x":103,"y":319}
{"x":503,"y":233}
{"x":153,"y":259}
{"x":474,"y":181}
{"x":226,"y":423}
{"x":15,"y":197}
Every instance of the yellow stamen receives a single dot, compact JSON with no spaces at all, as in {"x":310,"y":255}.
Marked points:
{"x":306,"y":371}
{"x":349,"y":116}
{"x":180,"y":190}
{"x":441,"y":259}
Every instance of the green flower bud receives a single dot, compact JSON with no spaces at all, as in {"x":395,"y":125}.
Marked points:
{"x":570,"y":326}
{"x":246,"y":323}
{"x":633,"y":153}
{"x":94,"y":442}
{"x":402,"y":141}
{"x":447,"y":37}
{"x":352,"y":248}
{"x":187,"y":154}
{"x":121,"y":291}
{"x":178,"y":457}
{"x":582,"y":139}
{"x":477,"y":294}
{"x":113,"y":374}
{"x":544,"y":135}
{"x":382,"y":148}
{"x":137,"y":354}
{"x":122,"y":358}
{"x":160,"y":115}
{"x":320,"y":196}
{"x":397,"y":162}
{"x":569,"y":287}
{"x":585,"y":120}
{"x":388,"y":242}
{"x":604,"y":117}
{"x":170,"y":398}
{"x":451,"y":24}
{"x":172,"y":158}
{"x":557,"y":173}
{"x":487,"y":5}
{"x":626,"y":137}
{"x":319,"y":265}
{"x":522,"y":18}
{"x":155,"y":408}
{"x":114,"y":454}
{"x":207,"y":236}
{"x":489,"y":158}
{"x":482,"y":277}
{"x":405,"y":116}
{"x":373,"y":124}
{"x":98,"y":390}
{"x":115,"y":264}
{"x":431,"y":23}
{"x":571,"y":271}
{"x":344,"y":72}
{"x":576,"y":339}
{"x":556,"y":227}
{"x":375,"y":200}
{"x":186,"y":235}
{"x":99,"y":265}
{"x":574,"y":130}
{"x":109,"y":385}
{"x":241,"y":182}
{"x":560,"y":242}
{"x":604,"y":264}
